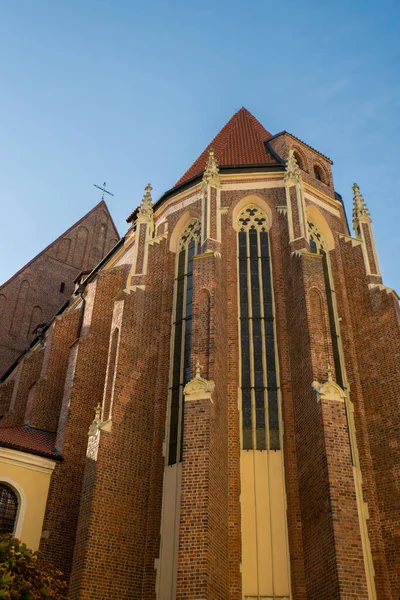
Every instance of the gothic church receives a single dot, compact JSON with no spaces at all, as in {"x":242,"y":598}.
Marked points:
{"x":214,"y":414}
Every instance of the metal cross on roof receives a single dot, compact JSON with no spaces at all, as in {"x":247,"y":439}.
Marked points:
{"x":103,"y":189}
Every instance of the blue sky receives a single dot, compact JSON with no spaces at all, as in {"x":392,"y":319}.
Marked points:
{"x":129,"y":92}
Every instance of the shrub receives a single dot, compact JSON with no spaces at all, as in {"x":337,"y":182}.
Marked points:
{"x":24,"y":576}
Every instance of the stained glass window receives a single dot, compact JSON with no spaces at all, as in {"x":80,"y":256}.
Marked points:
{"x":8,"y":509}
{"x":258,"y":381}
{"x":189,"y":246}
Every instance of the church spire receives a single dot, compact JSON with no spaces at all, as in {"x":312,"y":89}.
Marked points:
{"x":292,"y":171}
{"x":211,"y":173}
{"x":210,"y":204}
{"x":144,"y":234}
{"x":296,"y":207}
{"x":362,"y":225}
{"x":360,"y":210}
{"x":145,"y":212}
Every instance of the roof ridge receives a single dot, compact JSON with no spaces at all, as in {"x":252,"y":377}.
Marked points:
{"x":239,"y":142}
{"x":77,"y":223}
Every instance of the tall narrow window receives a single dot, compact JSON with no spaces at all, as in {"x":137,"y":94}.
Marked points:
{"x":189,"y":246}
{"x":112,"y":364}
{"x":8,"y":509}
{"x":258,"y":381}
{"x":318,"y":246}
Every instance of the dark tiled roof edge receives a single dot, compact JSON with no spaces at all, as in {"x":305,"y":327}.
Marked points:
{"x":299,"y":140}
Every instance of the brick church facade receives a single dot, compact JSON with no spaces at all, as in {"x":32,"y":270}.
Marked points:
{"x":38,"y":290}
{"x":215,"y":414}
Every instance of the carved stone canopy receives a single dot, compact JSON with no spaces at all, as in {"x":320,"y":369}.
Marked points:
{"x":211,"y":174}
{"x":199,"y":388}
{"x":292,"y":171}
{"x":329,"y":390}
{"x":360,"y":210}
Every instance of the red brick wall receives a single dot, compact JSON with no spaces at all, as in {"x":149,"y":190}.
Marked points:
{"x":45,"y":410}
{"x":88,"y":362}
{"x":281,"y":267}
{"x":121,"y":496}
{"x":25,"y":376}
{"x":117,"y":492}
{"x":6,"y":390}
{"x":375,"y":325}
{"x":204,"y":515}
{"x":309,"y":159}
{"x":234,"y":515}
{"x":33,"y":295}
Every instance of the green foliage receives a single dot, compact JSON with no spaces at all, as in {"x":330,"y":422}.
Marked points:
{"x":24,"y":576}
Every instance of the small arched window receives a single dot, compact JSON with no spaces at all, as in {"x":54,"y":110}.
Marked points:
{"x":299,"y":160}
{"x":8,"y":509}
{"x":317,"y":173}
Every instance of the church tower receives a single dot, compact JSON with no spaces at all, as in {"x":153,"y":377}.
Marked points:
{"x":228,"y":410}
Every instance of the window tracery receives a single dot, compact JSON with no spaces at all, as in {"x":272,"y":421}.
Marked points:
{"x":317,"y":241}
{"x":8,"y":509}
{"x":188,"y":246}
{"x":258,"y":380}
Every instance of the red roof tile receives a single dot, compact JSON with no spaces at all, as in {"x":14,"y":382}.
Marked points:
{"x":26,"y":439}
{"x":240,"y":142}
{"x":133,"y":215}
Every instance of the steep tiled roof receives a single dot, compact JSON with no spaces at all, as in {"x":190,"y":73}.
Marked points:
{"x":240,"y":142}
{"x":27,"y":439}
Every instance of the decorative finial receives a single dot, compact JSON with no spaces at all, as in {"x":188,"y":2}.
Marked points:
{"x":198,"y":370}
{"x":360,"y":210}
{"x":146,"y":207}
{"x":292,"y":172}
{"x":211,"y":173}
{"x":329,"y":372}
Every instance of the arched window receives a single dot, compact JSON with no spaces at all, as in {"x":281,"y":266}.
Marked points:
{"x":19,"y":309}
{"x":3,"y":301}
{"x":8,"y":509}
{"x":318,"y":246}
{"x":318,"y":173}
{"x":258,"y":381}
{"x":36,"y":317}
{"x":299,"y":160}
{"x":189,"y":246}
{"x":63,"y":249}
{"x":81,"y":243}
